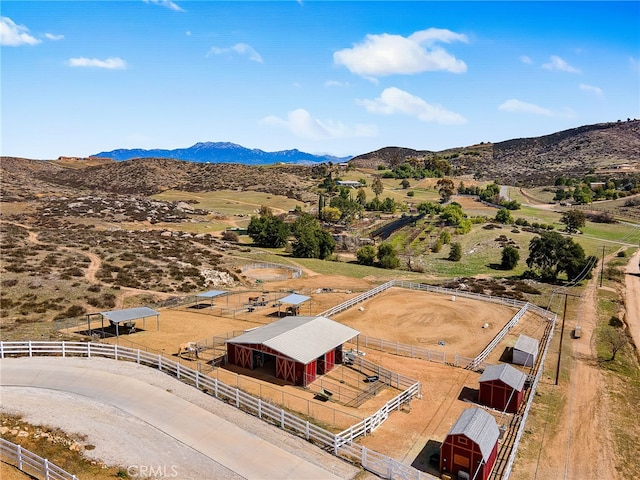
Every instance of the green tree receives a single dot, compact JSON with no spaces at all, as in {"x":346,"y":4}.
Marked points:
{"x":551,"y":254}
{"x":331,"y":214}
{"x":583,"y":195}
{"x":361,"y":198}
{"x":387,"y":257}
{"x":455,"y":252}
{"x":377,"y":185}
{"x":445,"y":188}
{"x":574,"y":220}
{"x":311,"y":240}
{"x":405,"y":184}
{"x":504,"y":216}
{"x":366,"y":255}
{"x":510,"y":257}
{"x":268,"y":230}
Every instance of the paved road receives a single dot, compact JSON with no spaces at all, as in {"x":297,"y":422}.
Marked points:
{"x":216,"y":438}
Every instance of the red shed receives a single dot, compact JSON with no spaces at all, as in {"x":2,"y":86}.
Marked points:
{"x":471,"y":447}
{"x":502,"y":387}
{"x":302,"y":347}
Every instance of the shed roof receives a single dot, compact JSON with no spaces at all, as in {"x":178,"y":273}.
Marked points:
{"x":301,"y":338}
{"x":527,"y":345}
{"x":294,"y":299}
{"x":211,"y":293}
{"x":479,"y":427}
{"x":118,"y":316}
{"x":507,"y":374}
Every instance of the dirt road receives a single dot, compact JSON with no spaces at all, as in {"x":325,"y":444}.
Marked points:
{"x":632,"y":299}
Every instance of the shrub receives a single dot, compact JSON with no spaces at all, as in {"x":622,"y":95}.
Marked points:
{"x":510,"y":257}
{"x":455,"y":253}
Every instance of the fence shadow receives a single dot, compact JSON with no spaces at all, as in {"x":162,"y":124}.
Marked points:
{"x":469,"y":394}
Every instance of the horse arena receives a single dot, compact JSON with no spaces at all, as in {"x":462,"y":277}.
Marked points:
{"x":446,"y":324}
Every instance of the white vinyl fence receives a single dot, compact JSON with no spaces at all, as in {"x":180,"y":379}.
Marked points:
{"x":344,"y":447}
{"x":295,"y":271}
{"x":30,"y":463}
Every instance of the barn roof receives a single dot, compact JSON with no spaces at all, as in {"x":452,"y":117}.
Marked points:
{"x":527,"y":345}
{"x":118,"y":316}
{"x":507,"y":374}
{"x":294,"y":299}
{"x":301,"y":338}
{"x":211,"y":293}
{"x":479,"y":427}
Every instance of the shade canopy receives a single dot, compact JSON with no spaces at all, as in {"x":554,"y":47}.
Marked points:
{"x":294,"y":299}
{"x":128,"y":314}
{"x":211,"y":294}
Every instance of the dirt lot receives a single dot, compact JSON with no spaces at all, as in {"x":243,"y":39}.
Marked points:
{"x":411,"y":317}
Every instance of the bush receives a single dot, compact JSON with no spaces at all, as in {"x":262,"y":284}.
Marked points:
{"x":455,"y":253}
{"x":510,"y":257}
{"x":230,"y":236}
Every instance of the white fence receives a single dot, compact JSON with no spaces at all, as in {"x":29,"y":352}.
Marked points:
{"x":30,"y":463}
{"x":341,"y":446}
{"x":358,"y":299}
{"x":295,"y":271}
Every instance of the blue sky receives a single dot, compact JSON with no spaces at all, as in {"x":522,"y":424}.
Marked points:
{"x":325,"y":77}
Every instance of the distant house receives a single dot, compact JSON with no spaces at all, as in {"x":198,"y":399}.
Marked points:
{"x":525,"y":351}
{"x":348,"y":183}
{"x":502,"y":387}
{"x":596,"y":185}
{"x":471,"y":446}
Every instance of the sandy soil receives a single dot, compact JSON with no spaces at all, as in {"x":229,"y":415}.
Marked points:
{"x":632,"y":294}
{"x":425,"y":319}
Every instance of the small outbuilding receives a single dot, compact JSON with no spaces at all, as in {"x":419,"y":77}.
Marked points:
{"x":210,"y":295}
{"x":126,"y":318}
{"x":471,"y":446}
{"x":301,"y":348}
{"x":294,"y":301}
{"x":502,"y":387}
{"x":525,"y":351}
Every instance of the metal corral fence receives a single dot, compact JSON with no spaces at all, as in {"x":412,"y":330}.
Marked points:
{"x":523,"y":420}
{"x":296,"y":272}
{"x":379,"y":464}
{"x":358,"y":299}
{"x":30,"y":463}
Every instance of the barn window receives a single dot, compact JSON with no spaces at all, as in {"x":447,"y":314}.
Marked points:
{"x":462,"y":440}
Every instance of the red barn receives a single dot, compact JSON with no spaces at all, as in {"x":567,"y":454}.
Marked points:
{"x":502,"y":387}
{"x":300,"y":347}
{"x":471,"y":447}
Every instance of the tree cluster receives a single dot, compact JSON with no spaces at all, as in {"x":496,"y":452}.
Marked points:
{"x":551,"y":254}
{"x":384,"y":256}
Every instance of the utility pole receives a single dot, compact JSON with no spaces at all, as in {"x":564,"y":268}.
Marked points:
{"x":564,"y":315}
{"x":602,"y":267}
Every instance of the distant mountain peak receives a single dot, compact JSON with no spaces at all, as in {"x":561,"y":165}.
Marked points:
{"x":222,"y":152}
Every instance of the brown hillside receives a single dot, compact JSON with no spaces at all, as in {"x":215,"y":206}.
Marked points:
{"x":538,"y":160}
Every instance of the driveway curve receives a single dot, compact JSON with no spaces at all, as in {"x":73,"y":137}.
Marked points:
{"x":234,"y":449}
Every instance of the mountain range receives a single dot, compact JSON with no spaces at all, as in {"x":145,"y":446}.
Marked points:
{"x":223,"y":152}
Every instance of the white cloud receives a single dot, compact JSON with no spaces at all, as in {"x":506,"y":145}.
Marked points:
{"x":51,"y":36}
{"x":166,"y":3}
{"x":302,"y":124}
{"x":518,"y":106}
{"x":557,"y":63}
{"x":114,"y":63}
{"x":526,"y":59}
{"x":238,"y":48}
{"x":590,"y":89}
{"x":335,"y":83}
{"x":188,"y":33}
{"x":393,"y":100}
{"x":385,"y":54}
{"x":12,"y":35}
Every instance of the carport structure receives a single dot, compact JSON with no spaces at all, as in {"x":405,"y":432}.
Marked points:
{"x":303,"y":347}
{"x":294,"y":299}
{"x":127,"y":316}
{"x":211,"y":294}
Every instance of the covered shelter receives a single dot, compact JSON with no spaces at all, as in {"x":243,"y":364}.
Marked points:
{"x":471,"y":446}
{"x":301,"y":347}
{"x":294,"y":300}
{"x":210,"y":295}
{"x":128,"y":316}
{"x":525,"y":351}
{"x":502,"y":387}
